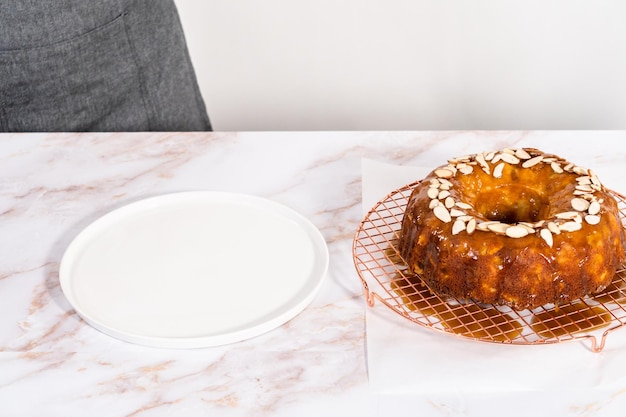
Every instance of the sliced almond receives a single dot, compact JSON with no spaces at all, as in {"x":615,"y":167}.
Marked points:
{"x":489,"y":156}
{"x":567,"y":215}
{"x":434,"y":203}
{"x":592,"y":219}
{"x":442,"y":214}
{"x":509,"y":158}
{"x":443,"y":194}
{"x":570,"y":226}
{"x":554,"y":228}
{"x":453,"y":161}
{"x":516,"y":231}
{"x":529,"y":227}
{"x":497,"y":171}
{"x":556,"y":168}
{"x":580,"y":170}
{"x":444,"y":173}
{"x":580,"y":204}
{"x":480,"y":158}
{"x":485,"y":225}
{"x":449,"y":202}
{"x":498,"y":227}
{"x":595,"y":180}
{"x":532,"y":161}
{"x":594,"y":208}
{"x":456,"y":213}
{"x":522,"y":154}
{"x":471,"y":226}
{"x":433,"y":193}
{"x":463,"y":205}
{"x":547,"y":236}
{"x":451,"y":168}
{"x":466,"y":170}
{"x":446,"y":182}
{"x":457,"y":227}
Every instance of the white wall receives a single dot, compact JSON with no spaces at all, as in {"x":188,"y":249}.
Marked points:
{"x":409,"y":64}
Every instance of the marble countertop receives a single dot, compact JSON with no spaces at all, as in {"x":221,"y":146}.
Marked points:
{"x":53,"y":185}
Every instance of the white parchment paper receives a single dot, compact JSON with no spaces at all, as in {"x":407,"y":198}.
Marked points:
{"x":408,"y":361}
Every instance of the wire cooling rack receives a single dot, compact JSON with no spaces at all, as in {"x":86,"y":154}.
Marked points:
{"x":385,"y":278}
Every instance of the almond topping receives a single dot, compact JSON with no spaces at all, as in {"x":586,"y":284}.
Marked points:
{"x":580,"y":204}
{"x":442,"y":214}
{"x":498,"y":227}
{"x":532,"y":161}
{"x":463,"y":205}
{"x":456,"y":213}
{"x":547,"y":236}
{"x":570,"y":226}
{"x":485,"y":225}
{"x":458,"y":227}
{"x":443,"y":194}
{"x":444,"y":173}
{"x":580,"y":170}
{"x":516,"y":231}
{"x":556,"y":167}
{"x":594,"y":208}
{"x":471,"y":226}
{"x":497,"y":171}
{"x":595,"y":180}
{"x":509,"y":158}
{"x":444,"y":181}
{"x":554,"y":228}
{"x":567,"y":215}
{"x":467,"y":169}
{"x":522,"y":154}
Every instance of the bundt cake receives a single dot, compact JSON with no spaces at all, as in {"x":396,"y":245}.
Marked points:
{"x":516,"y":227}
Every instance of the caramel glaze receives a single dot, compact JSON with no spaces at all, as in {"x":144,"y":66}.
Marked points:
{"x":520,"y":272}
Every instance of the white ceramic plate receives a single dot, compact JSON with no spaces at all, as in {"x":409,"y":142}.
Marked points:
{"x":194,"y":269}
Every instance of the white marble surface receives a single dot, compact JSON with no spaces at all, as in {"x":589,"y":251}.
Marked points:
{"x":53,"y":185}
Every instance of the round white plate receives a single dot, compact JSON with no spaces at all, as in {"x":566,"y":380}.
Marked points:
{"x":194,"y":269}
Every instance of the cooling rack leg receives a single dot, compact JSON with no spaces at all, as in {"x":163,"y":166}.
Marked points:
{"x":370,"y":297}
{"x":595,"y":347}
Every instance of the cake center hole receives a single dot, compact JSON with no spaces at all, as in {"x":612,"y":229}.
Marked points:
{"x":512,"y":203}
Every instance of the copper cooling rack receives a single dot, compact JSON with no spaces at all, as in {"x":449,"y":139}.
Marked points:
{"x":385,"y":278}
